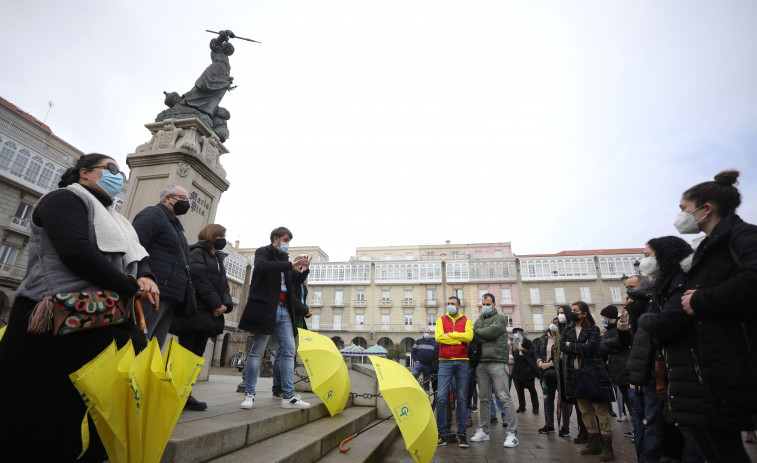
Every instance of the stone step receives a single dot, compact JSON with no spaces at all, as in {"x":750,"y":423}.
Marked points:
{"x":224,"y":427}
{"x":306,"y":443}
{"x":368,"y":447}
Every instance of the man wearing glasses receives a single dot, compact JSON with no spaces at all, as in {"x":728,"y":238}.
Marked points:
{"x":161,"y":233}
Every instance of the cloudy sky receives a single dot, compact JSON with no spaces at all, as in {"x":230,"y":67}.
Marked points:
{"x":554,"y":125}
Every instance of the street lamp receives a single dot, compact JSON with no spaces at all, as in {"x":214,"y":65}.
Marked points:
{"x":444,"y":277}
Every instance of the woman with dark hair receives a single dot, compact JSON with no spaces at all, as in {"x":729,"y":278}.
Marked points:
{"x":79,"y":244}
{"x":673,"y":331}
{"x":587,"y":379}
{"x":719,"y":299}
{"x":212,"y":292}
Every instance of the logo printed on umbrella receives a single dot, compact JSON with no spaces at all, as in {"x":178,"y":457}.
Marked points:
{"x":328,"y":396}
{"x":402,"y":412}
{"x":308,"y":339}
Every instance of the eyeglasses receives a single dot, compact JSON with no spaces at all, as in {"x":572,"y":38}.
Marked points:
{"x":181,"y":197}
{"x":112,"y":168}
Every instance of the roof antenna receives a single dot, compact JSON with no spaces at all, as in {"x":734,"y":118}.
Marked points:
{"x":50,"y":105}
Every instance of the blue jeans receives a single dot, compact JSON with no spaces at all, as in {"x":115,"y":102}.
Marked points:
{"x":654,"y":424}
{"x":283,"y":374}
{"x":447,"y":370}
{"x":419,"y":368}
{"x":498,"y":403}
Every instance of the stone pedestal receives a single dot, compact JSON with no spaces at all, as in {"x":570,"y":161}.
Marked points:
{"x":182,"y":152}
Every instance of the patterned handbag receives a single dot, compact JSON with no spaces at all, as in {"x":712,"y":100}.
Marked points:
{"x":65,"y":313}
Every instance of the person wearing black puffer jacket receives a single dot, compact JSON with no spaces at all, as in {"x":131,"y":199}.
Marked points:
{"x":212,"y":292}
{"x":720,"y":299}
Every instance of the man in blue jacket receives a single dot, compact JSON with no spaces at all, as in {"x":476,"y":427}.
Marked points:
{"x":425,"y":353}
{"x":270,"y":311}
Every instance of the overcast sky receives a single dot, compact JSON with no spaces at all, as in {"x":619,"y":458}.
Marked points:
{"x":555,"y":125}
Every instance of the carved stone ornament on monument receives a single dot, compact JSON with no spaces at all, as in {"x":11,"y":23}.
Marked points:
{"x":183,"y":169}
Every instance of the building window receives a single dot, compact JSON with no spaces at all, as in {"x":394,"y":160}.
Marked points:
{"x":509,"y":320}
{"x":429,"y":256}
{"x":338,"y":297}
{"x":431,"y":295}
{"x":337,"y":321}
{"x":560,"y":295}
{"x":538,"y":322}
{"x":360,"y":296}
{"x":359,"y":319}
{"x":535,"y":296}
{"x":585,"y":294}
{"x":317,"y":299}
{"x":507,"y":297}
{"x":8,"y":254}
{"x":388,"y":257}
{"x":385,"y":319}
{"x":385,"y":295}
{"x":34,"y":168}
{"x":24,"y":211}
{"x":408,"y":319}
{"x":481,"y":293}
{"x":459,"y":294}
{"x":20,"y":161}
{"x":431,"y":319}
{"x":615,"y":293}
{"x":315,"y":321}
{"x":497,"y":253}
{"x":477,"y":254}
{"x":408,"y":295}
{"x":47,"y":175}
{"x":7,"y":153}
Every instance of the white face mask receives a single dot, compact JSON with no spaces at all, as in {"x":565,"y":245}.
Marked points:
{"x":648,"y":266}
{"x":685,"y":222}
{"x":561,"y":318}
{"x":553,"y":328}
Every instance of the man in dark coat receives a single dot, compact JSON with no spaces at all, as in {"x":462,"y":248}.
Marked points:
{"x":270,"y":311}
{"x":615,"y":353}
{"x":162,"y":235}
{"x":425,"y":353}
{"x":525,"y":371}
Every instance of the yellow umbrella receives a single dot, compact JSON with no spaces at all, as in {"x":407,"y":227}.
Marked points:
{"x":135,"y":401}
{"x":410,"y":407}
{"x":2,"y":332}
{"x":326,"y":369}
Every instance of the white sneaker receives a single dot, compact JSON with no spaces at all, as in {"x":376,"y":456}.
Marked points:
{"x":294,"y":402}
{"x":511,"y":440}
{"x":480,"y":436}
{"x":623,"y":419}
{"x":249,"y":399}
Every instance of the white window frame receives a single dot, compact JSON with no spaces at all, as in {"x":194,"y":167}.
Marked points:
{"x":585,"y":292}
{"x":560,"y":296}
{"x":507,"y":296}
{"x":337,"y":321}
{"x":534,"y":294}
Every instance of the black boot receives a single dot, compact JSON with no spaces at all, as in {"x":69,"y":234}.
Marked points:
{"x":582,"y":438}
{"x":594,"y":447}
{"x":194,"y":404}
{"x":607,"y":453}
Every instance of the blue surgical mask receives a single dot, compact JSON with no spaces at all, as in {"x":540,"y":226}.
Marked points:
{"x":487,"y":309}
{"x":451,"y":309}
{"x":426,"y":335}
{"x":283,"y":247}
{"x":509,"y":343}
{"x":516,"y":336}
{"x":605,"y":321}
{"x":111,"y":183}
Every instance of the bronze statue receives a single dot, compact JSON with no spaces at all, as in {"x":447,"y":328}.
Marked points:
{"x":203,"y":100}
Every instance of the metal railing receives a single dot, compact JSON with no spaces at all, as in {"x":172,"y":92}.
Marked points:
{"x":12,"y":272}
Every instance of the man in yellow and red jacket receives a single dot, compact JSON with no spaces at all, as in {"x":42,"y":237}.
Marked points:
{"x":453,"y":333}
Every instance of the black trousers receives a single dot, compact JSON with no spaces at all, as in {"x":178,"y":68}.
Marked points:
{"x":520,"y":388}
{"x":720,"y":445}
{"x":194,"y":342}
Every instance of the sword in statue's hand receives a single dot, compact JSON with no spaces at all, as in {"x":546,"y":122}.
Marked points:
{"x":234,"y":36}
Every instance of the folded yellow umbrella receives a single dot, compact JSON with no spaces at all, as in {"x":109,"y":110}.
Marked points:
{"x":410,"y":407}
{"x":135,"y":401}
{"x":326,"y":369}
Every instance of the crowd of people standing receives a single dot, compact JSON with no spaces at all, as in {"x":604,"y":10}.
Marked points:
{"x":679,"y":356}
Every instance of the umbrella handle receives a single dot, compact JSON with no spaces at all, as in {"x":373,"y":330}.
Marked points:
{"x":344,"y":442}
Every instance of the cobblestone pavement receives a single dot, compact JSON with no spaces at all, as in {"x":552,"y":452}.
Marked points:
{"x":533,"y":446}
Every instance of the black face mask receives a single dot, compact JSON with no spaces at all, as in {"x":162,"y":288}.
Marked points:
{"x":573,"y":316}
{"x":219,"y":244}
{"x":181,"y":207}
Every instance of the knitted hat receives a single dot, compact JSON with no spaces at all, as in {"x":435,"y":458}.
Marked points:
{"x":609,"y":312}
